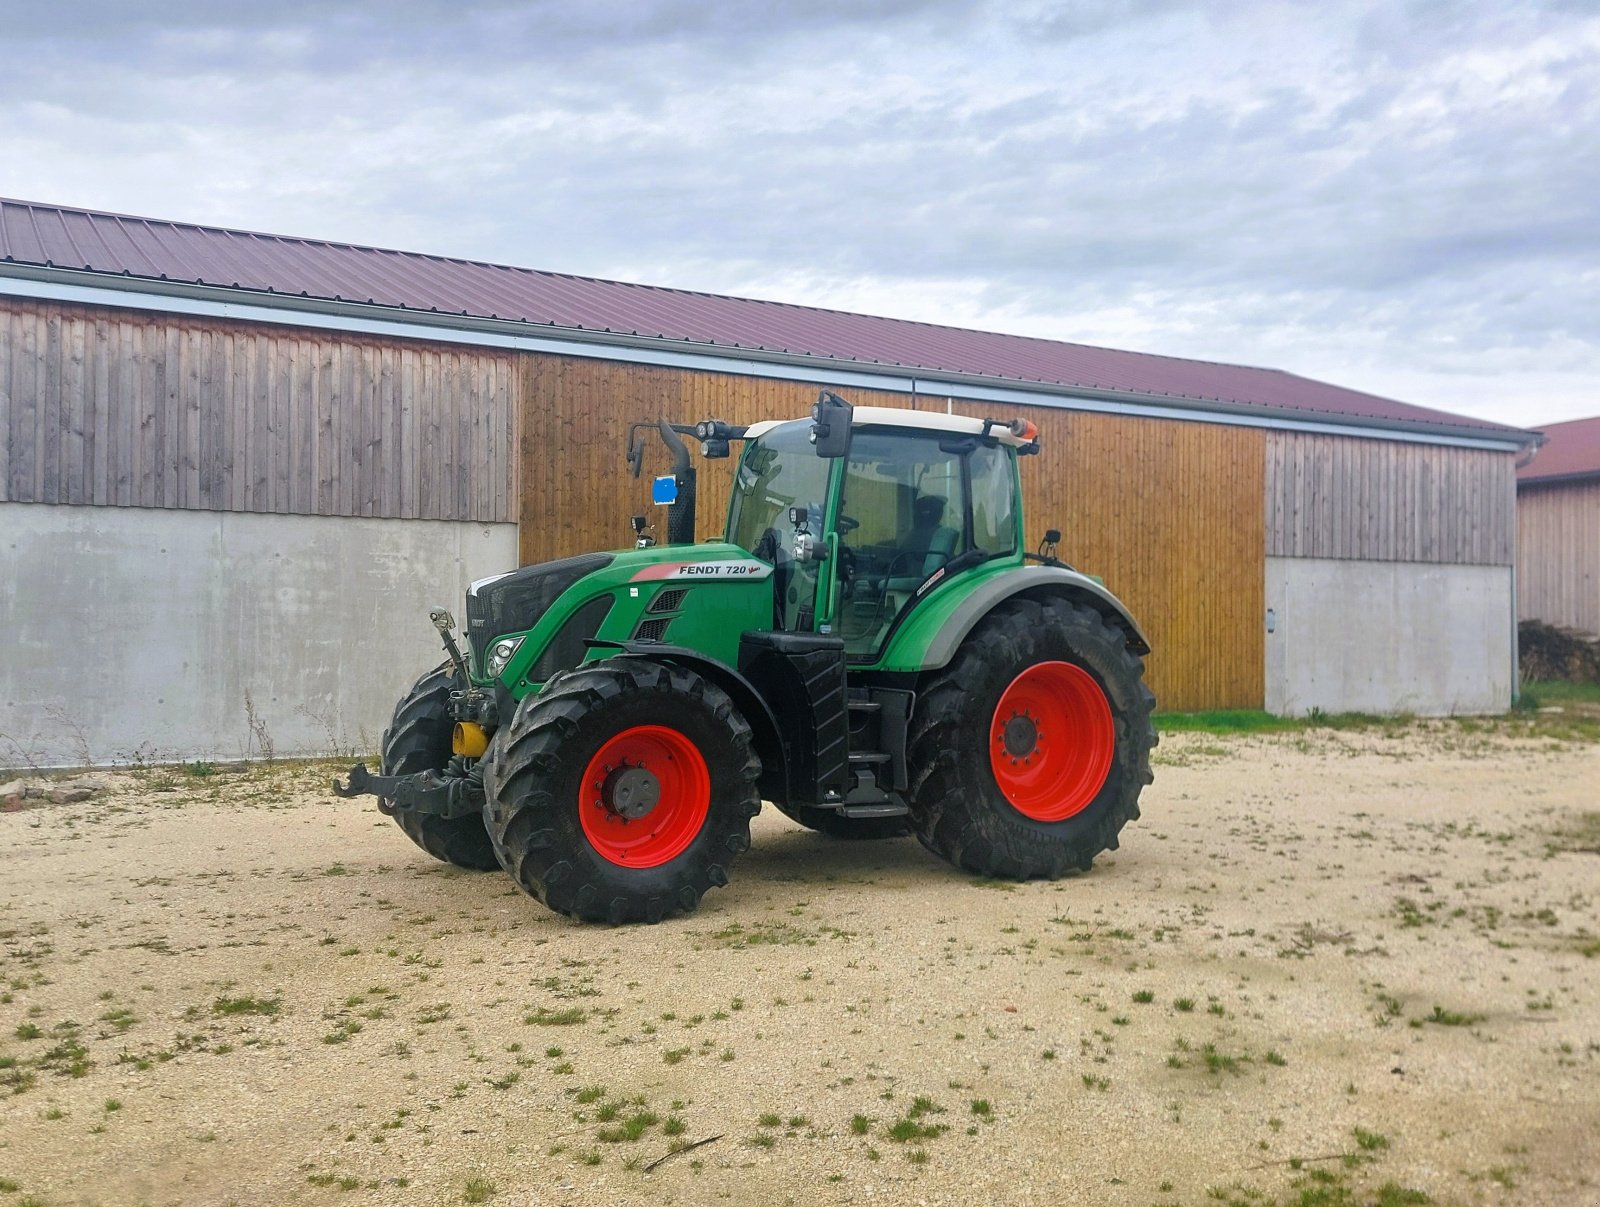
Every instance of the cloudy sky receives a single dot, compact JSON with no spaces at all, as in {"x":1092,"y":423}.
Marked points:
{"x":1401,"y":196}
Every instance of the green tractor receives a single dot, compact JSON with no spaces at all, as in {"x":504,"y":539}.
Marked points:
{"x":870,"y":648}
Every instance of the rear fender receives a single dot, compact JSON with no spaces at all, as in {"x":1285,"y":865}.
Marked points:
{"x":1030,"y":582}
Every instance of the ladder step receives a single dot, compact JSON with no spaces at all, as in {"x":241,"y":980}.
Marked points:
{"x":888,"y":810}
{"x":874,"y":758}
{"x":865,"y":706}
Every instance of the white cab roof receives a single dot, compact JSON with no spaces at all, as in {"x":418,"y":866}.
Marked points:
{"x":927,"y":421}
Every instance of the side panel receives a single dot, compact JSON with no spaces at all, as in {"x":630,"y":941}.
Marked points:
{"x":138,"y":634}
{"x":142,"y":409}
{"x":1371,"y":636}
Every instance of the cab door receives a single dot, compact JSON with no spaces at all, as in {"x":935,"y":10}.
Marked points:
{"x":903,"y":515}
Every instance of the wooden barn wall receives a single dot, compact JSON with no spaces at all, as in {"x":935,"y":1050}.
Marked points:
{"x":1558,"y":554}
{"x":1168,"y":513}
{"x":132,"y":409}
{"x":1382,"y":500}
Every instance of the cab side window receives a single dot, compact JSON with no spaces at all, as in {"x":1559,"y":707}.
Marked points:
{"x":994,"y":517}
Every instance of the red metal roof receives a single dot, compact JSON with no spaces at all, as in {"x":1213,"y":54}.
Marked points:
{"x":60,"y":237}
{"x":1572,"y":451}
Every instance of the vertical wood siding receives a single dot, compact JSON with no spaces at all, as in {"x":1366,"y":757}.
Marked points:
{"x":1381,"y":500}
{"x":125,"y":408}
{"x":1558,"y":554}
{"x":1170,"y":514}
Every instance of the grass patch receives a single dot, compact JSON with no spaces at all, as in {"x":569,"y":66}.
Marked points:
{"x":1448,"y":1018}
{"x":545,"y":1017}
{"x":1226,"y":721}
{"x":1547,"y":693}
{"x":246,"y":1005}
{"x":910,"y":1126}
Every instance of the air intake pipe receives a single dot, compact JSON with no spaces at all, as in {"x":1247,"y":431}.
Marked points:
{"x":680,"y":515}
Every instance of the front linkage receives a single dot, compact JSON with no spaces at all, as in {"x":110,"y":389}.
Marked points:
{"x":457,"y":791}
{"x":454,"y":792}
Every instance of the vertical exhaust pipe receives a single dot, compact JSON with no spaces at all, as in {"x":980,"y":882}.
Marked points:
{"x":680,"y":515}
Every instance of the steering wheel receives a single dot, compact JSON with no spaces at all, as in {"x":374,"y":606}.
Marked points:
{"x":846,"y":524}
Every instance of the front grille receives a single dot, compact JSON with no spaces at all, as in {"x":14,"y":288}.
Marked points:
{"x":652,"y":630}
{"x":514,"y":603}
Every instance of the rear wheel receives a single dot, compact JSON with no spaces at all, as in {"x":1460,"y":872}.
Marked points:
{"x":418,"y":739}
{"x":1030,"y":749}
{"x":623,"y":791}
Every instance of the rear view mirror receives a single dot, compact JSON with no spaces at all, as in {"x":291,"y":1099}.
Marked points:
{"x":830,"y":425}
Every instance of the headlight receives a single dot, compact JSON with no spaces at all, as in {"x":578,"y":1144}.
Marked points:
{"x":500,"y":654}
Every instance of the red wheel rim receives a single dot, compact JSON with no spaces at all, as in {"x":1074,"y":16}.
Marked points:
{"x":682,"y":800}
{"x":1051,"y":741}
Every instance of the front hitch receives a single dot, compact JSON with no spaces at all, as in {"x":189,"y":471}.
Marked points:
{"x":457,"y":791}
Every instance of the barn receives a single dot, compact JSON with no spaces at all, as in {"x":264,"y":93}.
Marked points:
{"x":238,"y":468}
{"x":1558,"y":521}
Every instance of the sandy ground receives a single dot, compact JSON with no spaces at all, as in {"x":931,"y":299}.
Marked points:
{"x":1360,"y":966}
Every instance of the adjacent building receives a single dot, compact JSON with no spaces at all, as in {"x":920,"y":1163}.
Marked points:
{"x":238,"y":467}
{"x":1558,"y":524}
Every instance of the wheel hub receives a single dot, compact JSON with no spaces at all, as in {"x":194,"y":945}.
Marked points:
{"x":630,"y":792}
{"x":1021,"y":736}
{"x":1052,"y":741}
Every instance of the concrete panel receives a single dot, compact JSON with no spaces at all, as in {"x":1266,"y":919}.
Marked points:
{"x":147,"y":634}
{"x":1360,"y":636}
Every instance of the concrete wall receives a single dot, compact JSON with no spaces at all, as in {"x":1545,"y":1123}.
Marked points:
{"x":131,"y":633}
{"x":1367,"y":636}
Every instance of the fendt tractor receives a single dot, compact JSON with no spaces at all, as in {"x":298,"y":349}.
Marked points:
{"x":870,"y":647}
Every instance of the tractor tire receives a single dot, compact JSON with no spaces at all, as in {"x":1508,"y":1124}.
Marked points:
{"x":826,"y":821}
{"x":1029,"y":750}
{"x":418,"y":739}
{"x":576,"y":832}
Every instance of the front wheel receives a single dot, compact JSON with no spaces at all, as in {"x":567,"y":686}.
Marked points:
{"x":418,"y":739}
{"x":1030,"y":749}
{"x":623,"y":791}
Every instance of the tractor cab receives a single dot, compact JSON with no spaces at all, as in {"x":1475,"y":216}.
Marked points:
{"x":858,"y":538}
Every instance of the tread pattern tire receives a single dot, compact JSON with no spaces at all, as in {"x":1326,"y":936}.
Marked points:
{"x":826,"y":821}
{"x":418,"y":739}
{"x":958,"y":810}
{"x":533,"y":783}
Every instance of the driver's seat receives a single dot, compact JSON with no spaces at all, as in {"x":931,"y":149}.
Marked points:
{"x":928,"y":540}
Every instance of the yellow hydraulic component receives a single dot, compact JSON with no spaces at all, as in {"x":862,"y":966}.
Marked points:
{"x":469,"y":740}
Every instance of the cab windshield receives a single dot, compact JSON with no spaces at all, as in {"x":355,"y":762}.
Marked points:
{"x":779,"y":471}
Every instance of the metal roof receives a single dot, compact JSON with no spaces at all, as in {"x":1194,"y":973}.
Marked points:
{"x":1571,"y":450}
{"x":156,"y":250}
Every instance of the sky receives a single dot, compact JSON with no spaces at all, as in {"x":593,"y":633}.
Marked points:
{"x":1399,"y":196}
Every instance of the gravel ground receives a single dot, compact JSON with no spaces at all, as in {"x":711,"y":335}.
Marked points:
{"x":1326,"y":967}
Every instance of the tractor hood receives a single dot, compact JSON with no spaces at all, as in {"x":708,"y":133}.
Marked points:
{"x":560,"y":605}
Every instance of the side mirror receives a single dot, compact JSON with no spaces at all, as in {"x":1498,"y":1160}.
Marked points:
{"x":830,"y":425}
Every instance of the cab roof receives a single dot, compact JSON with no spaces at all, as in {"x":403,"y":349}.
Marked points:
{"x":904,"y":417}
